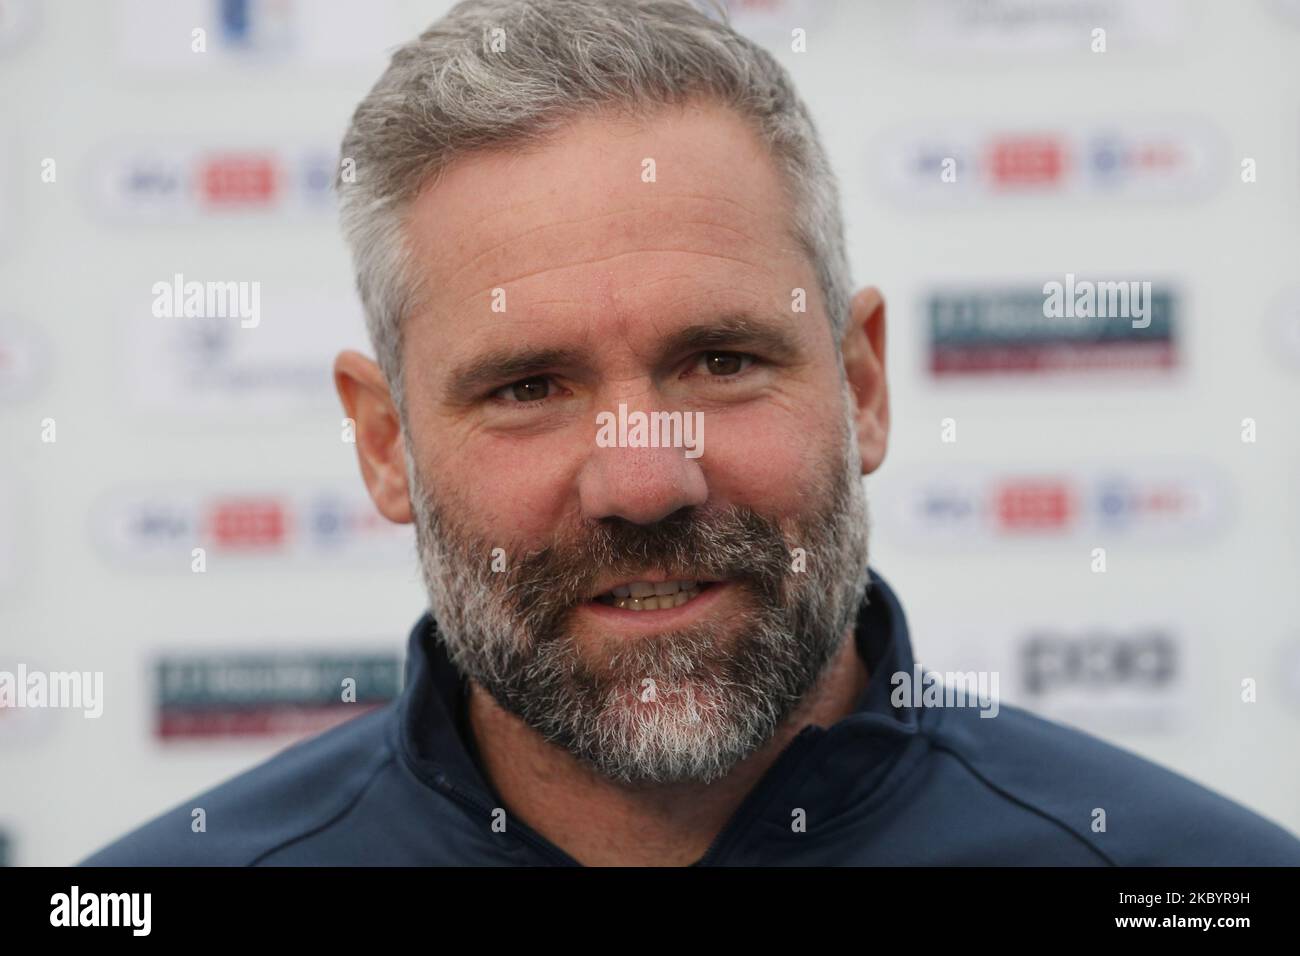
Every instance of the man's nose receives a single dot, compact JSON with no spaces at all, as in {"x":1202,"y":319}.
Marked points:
{"x":640,"y":485}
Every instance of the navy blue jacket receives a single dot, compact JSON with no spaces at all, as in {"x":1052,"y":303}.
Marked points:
{"x":883,"y":786}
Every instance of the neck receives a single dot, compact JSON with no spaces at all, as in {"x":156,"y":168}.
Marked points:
{"x":599,"y":822}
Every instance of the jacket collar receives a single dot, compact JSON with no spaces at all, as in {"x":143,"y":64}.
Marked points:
{"x":854,"y":751}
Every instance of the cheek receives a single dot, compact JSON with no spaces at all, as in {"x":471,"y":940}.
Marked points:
{"x":764,"y":459}
{"x":510,"y":490}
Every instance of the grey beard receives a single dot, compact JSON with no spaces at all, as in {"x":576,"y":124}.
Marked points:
{"x":689,"y":703}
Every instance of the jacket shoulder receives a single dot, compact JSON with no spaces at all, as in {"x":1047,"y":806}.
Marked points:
{"x":303,"y":789}
{"x":1129,"y":810}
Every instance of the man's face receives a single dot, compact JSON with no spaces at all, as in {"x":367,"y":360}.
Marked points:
{"x":648,"y":265}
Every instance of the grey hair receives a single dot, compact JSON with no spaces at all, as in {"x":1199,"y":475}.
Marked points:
{"x":447,"y":94}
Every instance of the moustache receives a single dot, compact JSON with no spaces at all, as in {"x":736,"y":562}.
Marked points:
{"x":733,"y":544}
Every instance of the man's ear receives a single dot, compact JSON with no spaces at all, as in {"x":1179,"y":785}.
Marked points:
{"x":864,"y":366}
{"x":378,"y":430}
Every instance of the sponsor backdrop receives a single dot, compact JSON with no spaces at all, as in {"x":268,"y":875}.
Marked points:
{"x":1101,"y":511}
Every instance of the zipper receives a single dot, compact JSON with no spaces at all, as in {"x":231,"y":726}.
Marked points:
{"x":781,"y":771}
{"x":519,"y":830}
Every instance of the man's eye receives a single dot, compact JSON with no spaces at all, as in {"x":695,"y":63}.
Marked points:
{"x":726,"y":363}
{"x":525,"y":390}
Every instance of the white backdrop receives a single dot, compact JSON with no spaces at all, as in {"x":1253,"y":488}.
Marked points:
{"x":1126,"y":163}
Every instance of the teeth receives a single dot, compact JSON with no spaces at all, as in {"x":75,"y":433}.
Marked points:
{"x":651,"y":595}
{"x":655,"y":602}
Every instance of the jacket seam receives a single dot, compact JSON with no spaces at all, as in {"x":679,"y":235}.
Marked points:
{"x":1006,"y":795}
{"x":330,"y":821}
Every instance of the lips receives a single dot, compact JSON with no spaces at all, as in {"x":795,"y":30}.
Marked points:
{"x":652,"y":595}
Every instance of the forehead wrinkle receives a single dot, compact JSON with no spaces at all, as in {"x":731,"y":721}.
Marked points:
{"x":761,"y":235}
{"x":610,"y":258}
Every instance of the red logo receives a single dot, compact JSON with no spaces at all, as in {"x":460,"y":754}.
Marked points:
{"x":1034,"y":506}
{"x":1027,"y":161}
{"x":238,"y":180}
{"x":250,"y":523}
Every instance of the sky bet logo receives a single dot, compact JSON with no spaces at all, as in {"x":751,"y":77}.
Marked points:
{"x":161,"y":528}
{"x":165,"y":183}
{"x":962,"y":163}
{"x":1154,"y":504}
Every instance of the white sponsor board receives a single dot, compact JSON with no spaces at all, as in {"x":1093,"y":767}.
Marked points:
{"x":1157,"y":503}
{"x":961,"y":162}
{"x":217,"y":368}
{"x":1045,"y":26}
{"x":175,"y":182}
{"x":1111,"y":677}
{"x":159,"y":34}
{"x":159,"y":528}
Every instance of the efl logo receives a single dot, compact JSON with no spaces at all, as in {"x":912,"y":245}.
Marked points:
{"x":1011,"y":331}
{"x":962,"y":163}
{"x":167,"y":183}
{"x":1144,"y":504}
{"x":213,"y":368}
{"x":164,"y":528}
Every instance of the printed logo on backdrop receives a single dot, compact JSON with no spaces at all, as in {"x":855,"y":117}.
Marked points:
{"x":1104,"y":679}
{"x":269,"y":694}
{"x":160,"y":528}
{"x":1127,"y":160}
{"x":1049,"y":27}
{"x":160,"y":34}
{"x":1150,"y":504}
{"x":216,"y":367}
{"x":24,"y":359}
{"x":18,"y":20}
{"x":1127,"y":326}
{"x":173,"y":182}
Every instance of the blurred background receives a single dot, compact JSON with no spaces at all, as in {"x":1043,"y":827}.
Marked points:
{"x":1105,"y":515}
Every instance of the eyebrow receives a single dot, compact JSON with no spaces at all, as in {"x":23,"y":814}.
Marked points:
{"x":731,"y":331}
